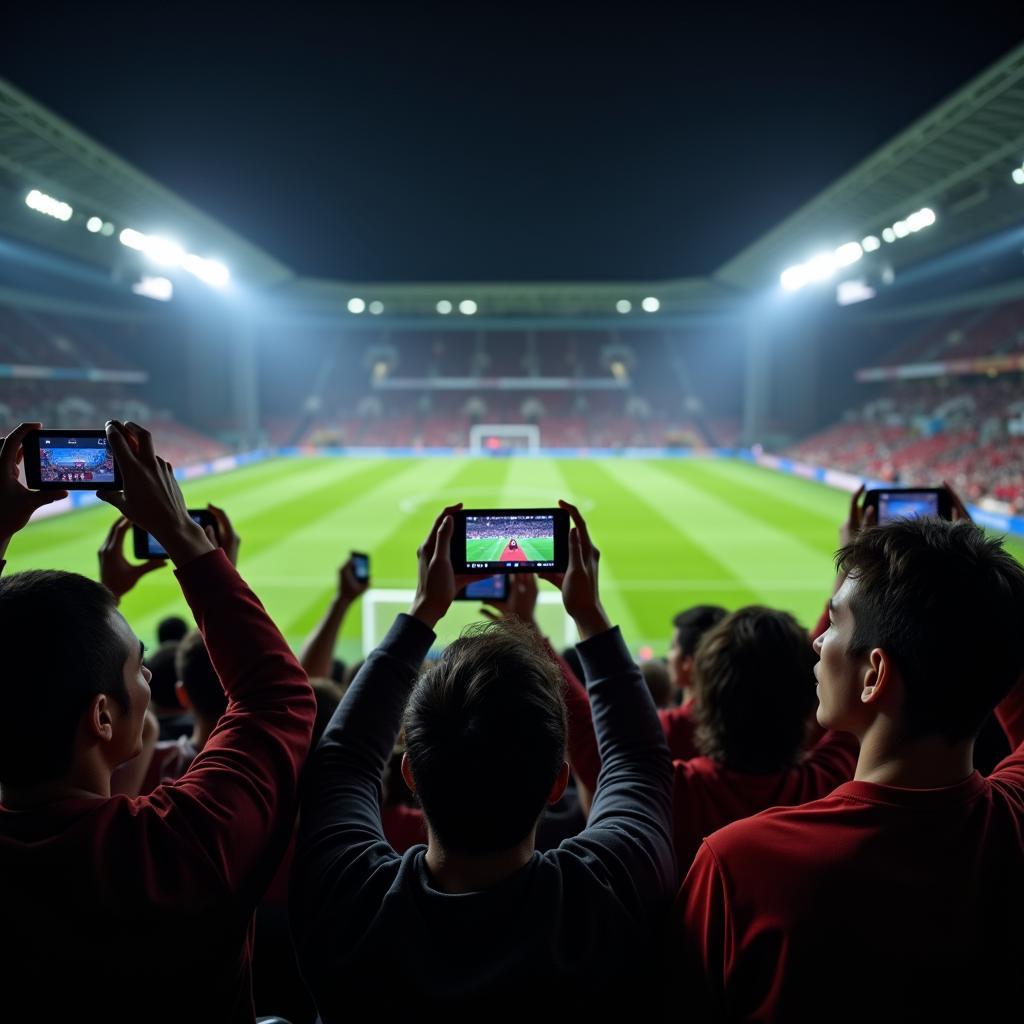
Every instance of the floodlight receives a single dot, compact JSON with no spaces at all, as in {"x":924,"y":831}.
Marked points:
{"x":444,"y":307}
{"x":376,"y":307}
{"x":94,"y":224}
{"x":356,"y":305}
{"x":793,"y":278}
{"x":889,"y":235}
{"x":623,"y":305}
{"x":42,"y":203}
{"x":870,"y":243}
{"x":467,"y":307}
{"x":163,"y":251}
{"x":1018,"y":175}
{"x":107,"y":230}
{"x":650,"y":304}
{"x":133,"y":239}
{"x":901,"y":229}
{"x":927,"y":216}
{"x":211,"y":272}
{"x":820,"y":267}
{"x":159,"y":288}
{"x":847,"y":254}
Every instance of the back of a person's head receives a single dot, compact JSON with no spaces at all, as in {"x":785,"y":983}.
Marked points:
{"x":659,"y":682}
{"x":946,"y":603}
{"x":196,"y":673}
{"x":171,"y":630}
{"x":754,"y":679}
{"x":693,"y":623}
{"x":164,"y":673}
{"x":60,"y":650}
{"x":485,"y":730}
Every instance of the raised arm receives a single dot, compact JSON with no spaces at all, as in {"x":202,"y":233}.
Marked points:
{"x":318,"y":650}
{"x":236,"y":803}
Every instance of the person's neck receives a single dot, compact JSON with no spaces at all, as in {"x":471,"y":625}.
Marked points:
{"x":201,"y":730}
{"x":924,"y":762}
{"x":92,"y":781}
{"x":459,"y":873}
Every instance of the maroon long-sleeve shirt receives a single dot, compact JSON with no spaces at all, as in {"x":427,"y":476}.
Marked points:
{"x":141,"y":909}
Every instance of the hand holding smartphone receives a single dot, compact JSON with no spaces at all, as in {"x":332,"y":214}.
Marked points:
{"x":70,"y":460}
{"x":506,"y":540}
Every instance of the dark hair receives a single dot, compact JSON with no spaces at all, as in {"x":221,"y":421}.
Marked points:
{"x":693,"y":623}
{"x":60,"y":650}
{"x":485,"y":729}
{"x":754,"y":680}
{"x":171,"y":630}
{"x":164,"y":675}
{"x":947,"y":605}
{"x":655,"y":673}
{"x":197,"y":675}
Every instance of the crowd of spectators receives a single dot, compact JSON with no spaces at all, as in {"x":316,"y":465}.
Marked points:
{"x":509,"y":828}
{"x":967,"y":431}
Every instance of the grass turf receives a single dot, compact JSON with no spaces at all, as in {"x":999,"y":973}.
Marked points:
{"x":671,"y":532}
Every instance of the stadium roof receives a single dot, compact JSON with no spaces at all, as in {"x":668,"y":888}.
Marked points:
{"x":956,"y":159}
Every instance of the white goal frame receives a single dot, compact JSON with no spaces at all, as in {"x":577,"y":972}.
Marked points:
{"x":372,"y":598}
{"x":479,"y":431}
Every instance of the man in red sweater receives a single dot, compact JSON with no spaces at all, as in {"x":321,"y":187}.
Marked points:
{"x":136,"y":909}
{"x":898,"y":896}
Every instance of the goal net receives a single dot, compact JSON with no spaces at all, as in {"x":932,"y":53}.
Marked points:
{"x":504,"y":439}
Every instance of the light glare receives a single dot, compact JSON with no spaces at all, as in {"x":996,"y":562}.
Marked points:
{"x":444,"y":307}
{"x":376,"y":307}
{"x":1018,"y":175}
{"x":650,"y":304}
{"x":356,"y":305}
{"x":94,"y":224}
{"x":623,"y":306}
{"x":467,"y":307}
{"x":42,"y":203}
{"x":889,"y":235}
{"x":870,"y":243}
{"x":847,"y":254}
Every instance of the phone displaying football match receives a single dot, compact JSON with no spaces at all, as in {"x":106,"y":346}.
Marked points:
{"x":510,"y":540}
{"x":77,"y":460}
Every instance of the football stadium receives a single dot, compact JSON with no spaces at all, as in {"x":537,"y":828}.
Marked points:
{"x":710,"y":428}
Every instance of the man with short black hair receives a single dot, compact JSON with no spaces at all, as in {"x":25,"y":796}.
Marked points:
{"x":108,"y":902}
{"x":899,"y":895}
{"x":478,"y":920}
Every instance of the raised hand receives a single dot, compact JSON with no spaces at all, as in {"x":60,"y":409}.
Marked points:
{"x":151,"y":497}
{"x":520,"y":604}
{"x":117,"y":574}
{"x":225,"y":536}
{"x":579,"y":582}
{"x":437,"y":584}
{"x":859,"y":518}
{"x":350,"y":588}
{"x":17,"y":502}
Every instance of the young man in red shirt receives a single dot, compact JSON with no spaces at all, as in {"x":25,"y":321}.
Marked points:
{"x":136,"y":909}
{"x":898,"y":896}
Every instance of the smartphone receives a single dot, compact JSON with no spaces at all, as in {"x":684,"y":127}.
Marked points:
{"x":894,"y":503}
{"x":72,"y":460}
{"x":147,"y":546}
{"x":490,"y":588}
{"x":499,"y":540}
{"x":361,"y":566}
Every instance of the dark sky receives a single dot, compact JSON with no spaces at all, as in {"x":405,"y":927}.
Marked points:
{"x":396,"y":142}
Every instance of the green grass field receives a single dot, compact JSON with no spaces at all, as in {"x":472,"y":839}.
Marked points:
{"x":671,"y":532}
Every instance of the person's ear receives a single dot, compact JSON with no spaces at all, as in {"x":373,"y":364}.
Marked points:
{"x":878,"y":677}
{"x":407,"y":773}
{"x":561,"y":781}
{"x":100,"y":719}
{"x":182,"y":695}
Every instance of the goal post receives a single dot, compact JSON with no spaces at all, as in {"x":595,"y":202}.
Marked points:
{"x":503,"y":438}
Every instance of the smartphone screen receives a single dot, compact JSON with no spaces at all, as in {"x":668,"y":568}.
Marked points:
{"x":361,"y":566}
{"x":893,"y":505}
{"x":77,"y":459}
{"x":147,"y":546}
{"x":491,"y":588}
{"x":488,"y":541}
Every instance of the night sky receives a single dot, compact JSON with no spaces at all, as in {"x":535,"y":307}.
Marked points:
{"x":393,"y":142}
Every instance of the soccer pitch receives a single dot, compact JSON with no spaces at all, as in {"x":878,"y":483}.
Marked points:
{"x":672,"y":533}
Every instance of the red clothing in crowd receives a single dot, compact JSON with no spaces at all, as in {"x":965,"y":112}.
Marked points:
{"x":874,"y":903}
{"x":679,"y":728}
{"x":706,"y":795}
{"x":141,"y":909}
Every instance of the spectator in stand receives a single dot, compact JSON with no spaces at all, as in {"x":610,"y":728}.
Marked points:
{"x":688,"y":628}
{"x":160,"y":888}
{"x":910,"y":879}
{"x":659,"y":682}
{"x":317,"y":656}
{"x":171,"y":630}
{"x":478,"y":919}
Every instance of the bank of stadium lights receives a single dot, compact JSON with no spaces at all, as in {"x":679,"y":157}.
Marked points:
{"x":356,"y":305}
{"x":467,"y":307}
{"x":168,"y":253}
{"x":376,"y":307}
{"x":1018,"y":175}
{"x":623,"y":306}
{"x":42,"y":203}
{"x":444,"y":307}
{"x":824,"y":265}
{"x":99,"y":226}
{"x":650,"y":304}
